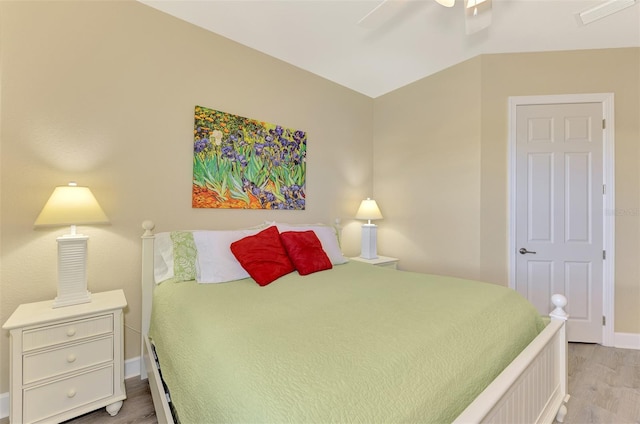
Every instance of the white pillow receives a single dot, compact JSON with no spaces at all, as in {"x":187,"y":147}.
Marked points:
{"x":327,"y":236}
{"x":215,"y":263}
{"x":162,"y":257}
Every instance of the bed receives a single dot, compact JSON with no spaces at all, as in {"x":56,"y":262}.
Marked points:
{"x":349,"y":343}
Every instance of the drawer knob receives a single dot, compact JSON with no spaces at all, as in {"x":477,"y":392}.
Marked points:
{"x":71,"y":393}
{"x":71,"y":358}
{"x":71,"y":332}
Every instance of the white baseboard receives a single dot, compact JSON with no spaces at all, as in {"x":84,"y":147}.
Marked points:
{"x":627,"y":340}
{"x":131,"y":369}
{"x":4,"y":405}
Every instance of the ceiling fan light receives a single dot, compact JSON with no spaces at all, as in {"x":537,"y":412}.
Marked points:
{"x":447,"y":3}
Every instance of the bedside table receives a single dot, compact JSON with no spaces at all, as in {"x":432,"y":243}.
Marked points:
{"x":66,"y":361}
{"x":381,"y":261}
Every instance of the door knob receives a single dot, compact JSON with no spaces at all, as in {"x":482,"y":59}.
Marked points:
{"x":524,"y":251}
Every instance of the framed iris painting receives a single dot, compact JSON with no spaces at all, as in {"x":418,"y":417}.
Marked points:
{"x":244,"y":163}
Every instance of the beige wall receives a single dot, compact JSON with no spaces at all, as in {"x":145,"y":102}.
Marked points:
{"x":440,"y":162}
{"x":103,"y":93}
{"x":427,"y":172}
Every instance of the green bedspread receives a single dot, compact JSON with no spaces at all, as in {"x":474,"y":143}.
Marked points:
{"x":357,"y":343}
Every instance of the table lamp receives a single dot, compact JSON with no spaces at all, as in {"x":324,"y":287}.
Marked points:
{"x":369,"y":210}
{"x":71,"y":205}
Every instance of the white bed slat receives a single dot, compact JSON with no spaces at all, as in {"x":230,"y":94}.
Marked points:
{"x":160,"y":403}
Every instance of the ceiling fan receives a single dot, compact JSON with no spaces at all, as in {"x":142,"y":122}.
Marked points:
{"x":477,"y":13}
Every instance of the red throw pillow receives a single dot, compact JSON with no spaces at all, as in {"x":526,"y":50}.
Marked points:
{"x":263,"y":256}
{"x":305,"y":251}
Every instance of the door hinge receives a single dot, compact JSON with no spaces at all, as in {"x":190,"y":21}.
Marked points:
{"x":604,"y":124}
{"x":604,"y":254}
{"x":604,"y":189}
{"x":604,"y":320}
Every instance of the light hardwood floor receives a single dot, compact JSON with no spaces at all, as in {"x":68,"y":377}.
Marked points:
{"x":604,"y":384}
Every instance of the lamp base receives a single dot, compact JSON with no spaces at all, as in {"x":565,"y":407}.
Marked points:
{"x":72,"y":271}
{"x":69,"y":300}
{"x":368,"y":248}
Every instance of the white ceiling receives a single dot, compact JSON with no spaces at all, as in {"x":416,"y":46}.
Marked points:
{"x":413,"y":39}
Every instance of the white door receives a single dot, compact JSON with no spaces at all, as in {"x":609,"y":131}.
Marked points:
{"x":559,"y":211}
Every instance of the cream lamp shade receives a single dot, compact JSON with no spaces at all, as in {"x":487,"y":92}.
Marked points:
{"x":369,"y":210}
{"x":71,"y":205}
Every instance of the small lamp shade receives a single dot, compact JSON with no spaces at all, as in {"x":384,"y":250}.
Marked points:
{"x":71,"y":205}
{"x":369,"y":210}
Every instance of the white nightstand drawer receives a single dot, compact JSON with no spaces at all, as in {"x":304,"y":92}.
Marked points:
{"x":69,"y":331}
{"x":66,"y":361}
{"x":63,"y":395}
{"x":51,"y":363}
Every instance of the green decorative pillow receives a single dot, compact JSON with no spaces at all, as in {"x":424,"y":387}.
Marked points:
{"x":184,"y":255}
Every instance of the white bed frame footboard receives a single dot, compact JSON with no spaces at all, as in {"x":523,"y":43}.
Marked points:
{"x":532,"y":389}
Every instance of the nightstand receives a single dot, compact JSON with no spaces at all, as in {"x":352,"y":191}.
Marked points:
{"x":381,"y":261}
{"x":66,"y":361}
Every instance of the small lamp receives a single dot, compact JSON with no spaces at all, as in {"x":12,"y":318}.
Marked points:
{"x":369,"y":210}
{"x":71,"y":205}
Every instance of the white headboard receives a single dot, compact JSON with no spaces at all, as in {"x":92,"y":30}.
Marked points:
{"x":148,"y":282}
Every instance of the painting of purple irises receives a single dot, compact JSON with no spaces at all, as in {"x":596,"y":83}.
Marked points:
{"x":244,"y":163}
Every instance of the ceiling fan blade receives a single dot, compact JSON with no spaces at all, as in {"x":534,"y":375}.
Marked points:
{"x":477,"y":15}
{"x":382,"y":12}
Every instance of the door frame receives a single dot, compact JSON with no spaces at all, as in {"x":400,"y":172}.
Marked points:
{"x":608,"y":207}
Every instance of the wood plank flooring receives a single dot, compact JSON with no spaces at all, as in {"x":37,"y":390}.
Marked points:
{"x":604,"y":384}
